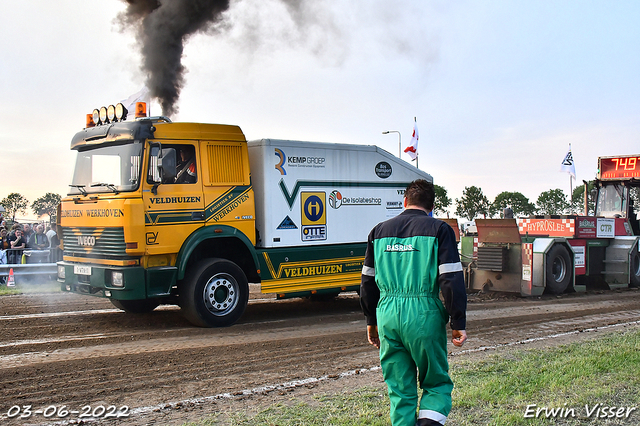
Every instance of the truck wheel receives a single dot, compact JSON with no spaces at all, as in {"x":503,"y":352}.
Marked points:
{"x":215,"y":293}
{"x":559,"y":269}
{"x":634,"y":265}
{"x":136,"y":306}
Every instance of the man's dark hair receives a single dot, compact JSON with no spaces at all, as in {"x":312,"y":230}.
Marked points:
{"x":420,"y":193}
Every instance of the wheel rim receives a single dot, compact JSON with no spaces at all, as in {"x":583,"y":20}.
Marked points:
{"x":635,"y":265}
{"x":221,"y":294}
{"x":559,"y":269}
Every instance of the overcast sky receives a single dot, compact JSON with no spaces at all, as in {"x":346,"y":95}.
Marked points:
{"x":499,"y":88}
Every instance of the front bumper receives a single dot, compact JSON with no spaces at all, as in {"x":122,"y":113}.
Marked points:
{"x":96,"y":280}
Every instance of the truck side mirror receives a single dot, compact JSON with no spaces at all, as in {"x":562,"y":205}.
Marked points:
{"x":167,"y":164}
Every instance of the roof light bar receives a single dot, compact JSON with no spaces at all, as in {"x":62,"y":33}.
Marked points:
{"x":110,"y":114}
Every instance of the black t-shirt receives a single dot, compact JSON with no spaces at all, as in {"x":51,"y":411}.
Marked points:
{"x":19,"y":240}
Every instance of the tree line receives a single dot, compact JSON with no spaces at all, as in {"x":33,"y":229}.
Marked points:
{"x":15,"y":203}
{"x":474,"y":203}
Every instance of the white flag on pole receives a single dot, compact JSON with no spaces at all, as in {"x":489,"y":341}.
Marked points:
{"x":412,"y":149}
{"x":141,"y":95}
{"x":568,"y":165}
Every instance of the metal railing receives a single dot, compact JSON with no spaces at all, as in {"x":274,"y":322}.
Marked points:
{"x":29,"y":262}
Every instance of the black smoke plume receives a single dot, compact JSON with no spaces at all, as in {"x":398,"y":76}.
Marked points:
{"x":162,"y":27}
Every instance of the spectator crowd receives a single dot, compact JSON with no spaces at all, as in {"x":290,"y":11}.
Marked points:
{"x":20,"y":237}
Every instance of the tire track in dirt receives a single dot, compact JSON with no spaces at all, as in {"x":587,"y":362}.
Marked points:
{"x":172,"y":343}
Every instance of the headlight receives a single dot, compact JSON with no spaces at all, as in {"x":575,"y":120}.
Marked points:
{"x":121,"y":112}
{"x":96,"y":116}
{"x":111,"y":113}
{"x":117,"y":279}
{"x":103,"y":115}
{"x":61,"y":272}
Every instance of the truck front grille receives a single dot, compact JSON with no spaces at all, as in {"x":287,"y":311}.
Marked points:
{"x":94,"y":242}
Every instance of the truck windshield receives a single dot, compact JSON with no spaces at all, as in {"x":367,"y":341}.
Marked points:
{"x":112,"y":168}
{"x":612,"y":201}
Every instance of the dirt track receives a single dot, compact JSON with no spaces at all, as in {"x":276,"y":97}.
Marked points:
{"x":62,"y":349}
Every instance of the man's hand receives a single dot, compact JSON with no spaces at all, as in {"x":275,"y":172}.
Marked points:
{"x":458,"y":337}
{"x":372,"y":335}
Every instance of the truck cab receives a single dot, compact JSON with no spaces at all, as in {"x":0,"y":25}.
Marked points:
{"x":136,"y":220}
{"x":618,"y":199}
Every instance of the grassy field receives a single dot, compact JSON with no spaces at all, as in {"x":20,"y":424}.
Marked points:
{"x":560,"y":385}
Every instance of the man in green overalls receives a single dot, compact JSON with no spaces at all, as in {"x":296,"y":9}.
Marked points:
{"x":409,"y":260}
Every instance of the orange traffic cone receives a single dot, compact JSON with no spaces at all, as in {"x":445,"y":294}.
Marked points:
{"x":11,"y":282}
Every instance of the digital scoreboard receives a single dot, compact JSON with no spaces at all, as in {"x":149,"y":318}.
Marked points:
{"x":619,"y":168}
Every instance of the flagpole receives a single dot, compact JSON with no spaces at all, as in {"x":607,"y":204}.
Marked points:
{"x":412,"y":149}
{"x":417,"y":161}
{"x":571,"y":188}
{"x":568,"y":166}
{"x":570,"y":180}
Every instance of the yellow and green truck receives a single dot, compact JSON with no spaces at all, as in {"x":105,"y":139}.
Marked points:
{"x":188,"y":213}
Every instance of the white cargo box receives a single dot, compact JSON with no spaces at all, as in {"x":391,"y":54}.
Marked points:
{"x":310,"y":193}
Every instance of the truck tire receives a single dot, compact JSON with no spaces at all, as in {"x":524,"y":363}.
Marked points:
{"x":214,"y":293}
{"x":634,"y":268}
{"x":136,"y":306}
{"x":559,"y":270}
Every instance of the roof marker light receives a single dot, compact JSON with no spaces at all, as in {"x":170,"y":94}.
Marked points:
{"x":90,"y":122}
{"x":141,"y":109}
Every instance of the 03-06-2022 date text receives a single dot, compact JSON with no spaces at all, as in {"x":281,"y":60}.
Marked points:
{"x":62,"y":411}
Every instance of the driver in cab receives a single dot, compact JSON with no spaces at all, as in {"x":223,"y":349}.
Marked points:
{"x":186,"y":167}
